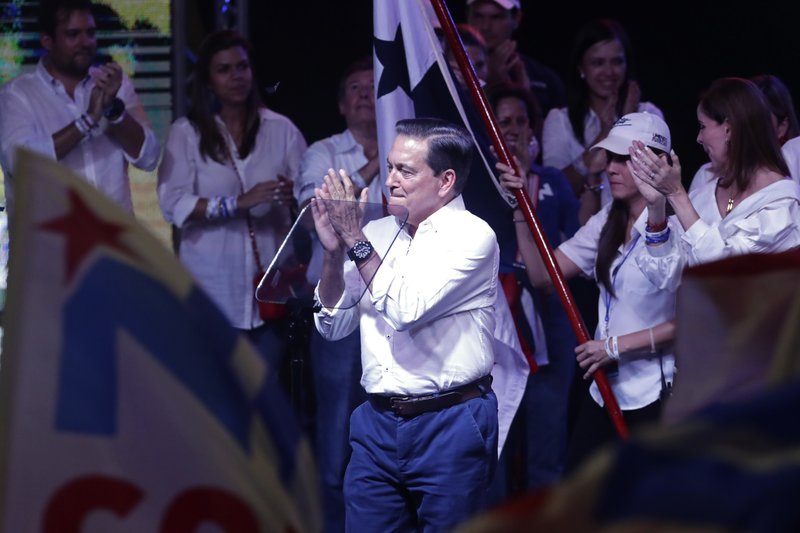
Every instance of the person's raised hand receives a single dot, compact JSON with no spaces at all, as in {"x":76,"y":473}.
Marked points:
{"x":655,"y":170}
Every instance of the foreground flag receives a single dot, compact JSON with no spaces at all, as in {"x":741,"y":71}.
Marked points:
{"x":729,"y":468}
{"x":738,"y":330}
{"x":412,"y":79}
{"x":128,"y":404}
{"x":728,"y":456}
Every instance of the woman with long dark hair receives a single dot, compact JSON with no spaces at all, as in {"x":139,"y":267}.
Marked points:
{"x":601,"y":87}
{"x":784,"y":120}
{"x":226,"y":182}
{"x":635,"y":330}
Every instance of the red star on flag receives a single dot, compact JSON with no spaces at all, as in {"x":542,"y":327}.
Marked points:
{"x":84,"y":230}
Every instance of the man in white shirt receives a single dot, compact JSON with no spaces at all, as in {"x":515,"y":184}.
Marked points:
{"x":356,"y":148}
{"x":424,"y":445}
{"x":86,"y":117}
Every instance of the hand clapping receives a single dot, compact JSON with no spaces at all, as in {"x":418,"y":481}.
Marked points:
{"x":337,"y":213}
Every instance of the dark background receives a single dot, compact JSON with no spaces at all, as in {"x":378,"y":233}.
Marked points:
{"x":679,"y":49}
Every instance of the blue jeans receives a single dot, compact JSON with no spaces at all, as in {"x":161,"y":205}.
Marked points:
{"x":427,"y":473}
{"x":546,"y":400}
{"x":336,"y":369}
{"x":270,"y":339}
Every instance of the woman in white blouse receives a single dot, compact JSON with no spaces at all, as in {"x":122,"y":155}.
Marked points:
{"x":754,"y":207}
{"x":601,"y":88}
{"x":635,"y":329}
{"x":227,"y":173}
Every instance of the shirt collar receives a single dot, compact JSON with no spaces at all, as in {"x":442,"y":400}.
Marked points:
{"x":48,"y":78}
{"x":346,"y":142}
{"x":443,"y":213}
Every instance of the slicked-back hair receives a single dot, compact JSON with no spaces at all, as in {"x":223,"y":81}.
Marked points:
{"x":449,"y":146}
{"x":753,"y":144}
{"x":48,"y":13}
{"x":204,"y":104}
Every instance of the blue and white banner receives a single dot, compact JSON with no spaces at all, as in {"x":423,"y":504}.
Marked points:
{"x":128,"y":402}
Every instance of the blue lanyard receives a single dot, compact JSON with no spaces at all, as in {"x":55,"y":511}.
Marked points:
{"x":607,"y":295}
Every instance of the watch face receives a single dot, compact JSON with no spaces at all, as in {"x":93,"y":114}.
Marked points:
{"x":114,"y":110}
{"x":360,"y":251}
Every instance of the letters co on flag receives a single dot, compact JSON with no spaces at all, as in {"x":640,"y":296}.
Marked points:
{"x":128,"y":403}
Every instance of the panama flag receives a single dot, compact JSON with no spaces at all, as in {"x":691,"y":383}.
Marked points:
{"x":128,"y":404}
{"x":412,"y":79}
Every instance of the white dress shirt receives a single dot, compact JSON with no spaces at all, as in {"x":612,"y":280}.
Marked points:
{"x":703,"y":177}
{"x":219,"y":253}
{"x":767,"y":221}
{"x":35,"y":105}
{"x":639,"y":304}
{"x":427,"y":325}
{"x":337,"y":151}
{"x":561,"y":148}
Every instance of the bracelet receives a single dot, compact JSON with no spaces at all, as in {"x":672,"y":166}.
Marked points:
{"x":519,"y":221}
{"x":654,"y":239}
{"x":658,"y":228}
{"x":212,"y":207}
{"x":652,"y":341}
{"x":89,"y":121}
{"x":221,"y":207}
{"x":78,"y":123}
{"x":612,"y":348}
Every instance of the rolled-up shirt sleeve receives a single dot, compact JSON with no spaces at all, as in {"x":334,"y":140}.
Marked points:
{"x":663,"y":264}
{"x":147,"y":159}
{"x":343,"y":318}
{"x":176,"y":175}
{"x":313,"y":166}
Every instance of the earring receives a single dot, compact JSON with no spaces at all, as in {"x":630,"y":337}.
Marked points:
{"x":583,"y":76}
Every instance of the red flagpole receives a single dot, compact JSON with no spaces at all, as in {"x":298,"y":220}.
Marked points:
{"x":582,"y":334}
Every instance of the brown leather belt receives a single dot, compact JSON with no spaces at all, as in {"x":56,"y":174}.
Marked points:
{"x":410,"y":406}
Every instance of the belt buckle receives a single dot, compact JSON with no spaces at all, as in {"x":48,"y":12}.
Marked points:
{"x":395,"y":403}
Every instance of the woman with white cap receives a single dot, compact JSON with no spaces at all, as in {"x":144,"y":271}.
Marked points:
{"x":635,"y":327}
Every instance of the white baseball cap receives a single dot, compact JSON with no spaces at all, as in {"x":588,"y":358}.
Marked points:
{"x":505,"y":4}
{"x":645,"y":127}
